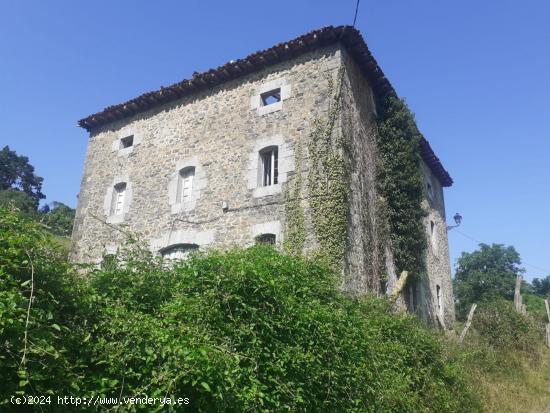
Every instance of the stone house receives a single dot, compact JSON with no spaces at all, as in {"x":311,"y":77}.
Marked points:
{"x":209,"y":162}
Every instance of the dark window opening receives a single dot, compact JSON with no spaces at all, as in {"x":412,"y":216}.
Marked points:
{"x":430,"y":189}
{"x":266,"y":239}
{"x":273,"y":96}
{"x":127,"y":142}
{"x":178,"y":251}
{"x":269,"y":166}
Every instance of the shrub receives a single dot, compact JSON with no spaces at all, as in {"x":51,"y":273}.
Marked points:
{"x":40,"y":356}
{"x":243,"y":330}
{"x":502,"y":327}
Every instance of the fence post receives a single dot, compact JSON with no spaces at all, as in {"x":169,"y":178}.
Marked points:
{"x":468,"y":322}
{"x":548,"y":324}
{"x":517,"y":294}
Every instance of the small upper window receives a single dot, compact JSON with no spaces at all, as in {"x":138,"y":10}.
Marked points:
{"x":127,"y":142}
{"x":266,"y":239}
{"x":117,"y":202}
{"x":185,"y":184}
{"x":273,"y":96}
{"x":179,"y":251}
{"x":269,"y":166}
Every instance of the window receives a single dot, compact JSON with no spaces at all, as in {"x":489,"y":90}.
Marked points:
{"x":269,"y":166}
{"x":127,"y":142}
{"x":266,"y":239}
{"x":430,"y":189}
{"x":273,"y":96}
{"x":185,"y":184}
{"x":178,"y":252}
{"x":119,"y":195}
{"x":439,"y":301}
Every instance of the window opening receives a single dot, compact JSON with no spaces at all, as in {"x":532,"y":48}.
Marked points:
{"x":127,"y":142}
{"x":430,"y":190}
{"x":178,"y":252}
{"x":273,"y":96}
{"x":266,"y":239}
{"x":185,"y":184}
{"x":269,"y":164}
{"x":119,"y":195}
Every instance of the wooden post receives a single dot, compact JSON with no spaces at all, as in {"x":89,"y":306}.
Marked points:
{"x":468,"y":322}
{"x":517,"y":295}
{"x":547,"y":325}
{"x":399,"y":285}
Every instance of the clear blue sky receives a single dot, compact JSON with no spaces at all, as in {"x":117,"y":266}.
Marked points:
{"x":476,"y":74}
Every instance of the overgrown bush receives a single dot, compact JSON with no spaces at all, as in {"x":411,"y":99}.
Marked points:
{"x":244,"y":330}
{"x":40,"y":347}
{"x":502,"y":327}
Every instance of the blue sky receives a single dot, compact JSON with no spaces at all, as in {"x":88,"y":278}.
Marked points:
{"x":476,"y":74}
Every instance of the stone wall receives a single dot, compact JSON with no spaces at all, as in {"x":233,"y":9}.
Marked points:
{"x":437,"y":255}
{"x":364,"y":256}
{"x":218,"y":131}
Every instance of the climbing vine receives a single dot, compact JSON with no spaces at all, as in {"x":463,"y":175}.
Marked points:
{"x":295,"y":236}
{"x":400,"y":184}
{"x":329,"y":178}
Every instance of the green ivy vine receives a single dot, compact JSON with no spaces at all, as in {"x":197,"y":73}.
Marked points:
{"x":329,"y":179}
{"x":400,"y":184}
{"x":295,"y":234}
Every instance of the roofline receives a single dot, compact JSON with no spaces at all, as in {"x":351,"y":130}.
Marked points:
{"x":349,"y":37}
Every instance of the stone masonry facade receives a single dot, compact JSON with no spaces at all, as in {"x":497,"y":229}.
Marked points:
{"x":219,"y":133}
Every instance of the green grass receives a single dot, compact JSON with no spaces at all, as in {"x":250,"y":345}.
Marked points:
{"x":523,"y":387}
{"x":63,"y":242}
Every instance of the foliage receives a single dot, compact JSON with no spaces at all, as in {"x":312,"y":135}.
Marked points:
{"x":485,"y":274}
{"x":541,"y":286}
{"x":18,"y":199}
{"x":400,"y":184}
{"x":506,"y":379}
{"x":46,"y":359}
{"x":506,"y":358}
{"x":535,"y":306}
{"x":329,"y":179}
{"x":295,"y":233}
{"x":502,"y":327}
{"x":17,"y":173}
{"x":58,"y":218}
{"x":244,"y":330}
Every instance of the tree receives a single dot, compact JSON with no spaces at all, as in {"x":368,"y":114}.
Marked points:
{"x":541,"y":286}
{"x":58,"y":218}
{"x":18,"y":199}
{"x":486,"y":274}
{"x":18,"y":174}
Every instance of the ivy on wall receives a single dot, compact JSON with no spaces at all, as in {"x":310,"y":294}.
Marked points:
{"x":329,"y":178}
{"x":401,"y":185}
{"x":295,"y":234}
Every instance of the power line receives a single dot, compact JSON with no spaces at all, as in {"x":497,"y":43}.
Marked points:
{"x":356,"y":10}
{"x":479,"y":242}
